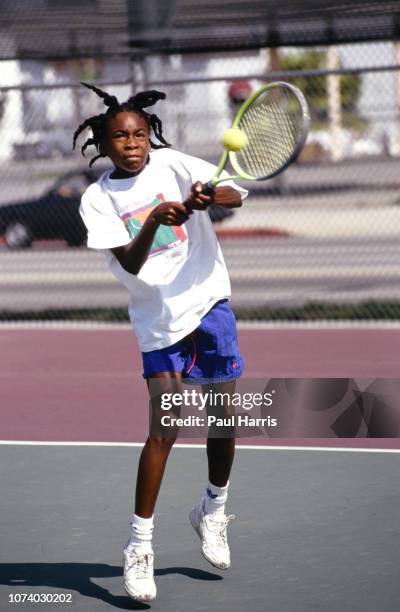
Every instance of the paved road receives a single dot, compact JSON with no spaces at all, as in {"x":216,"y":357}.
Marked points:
{"x":273,"y":272}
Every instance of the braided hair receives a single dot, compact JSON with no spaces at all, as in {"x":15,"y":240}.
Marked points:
{"x":136,"y":103}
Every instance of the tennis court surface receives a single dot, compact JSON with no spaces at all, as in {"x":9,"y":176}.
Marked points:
{"x":315,"y":527}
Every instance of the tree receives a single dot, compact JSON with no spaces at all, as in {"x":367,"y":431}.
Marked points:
{"x":315,"y":88}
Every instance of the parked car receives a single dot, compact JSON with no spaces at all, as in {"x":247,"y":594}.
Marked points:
{"x":55,"y":215}
{"x":53,"y":144}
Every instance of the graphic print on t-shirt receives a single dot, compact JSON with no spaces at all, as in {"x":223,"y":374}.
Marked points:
{"x":166,"y":236}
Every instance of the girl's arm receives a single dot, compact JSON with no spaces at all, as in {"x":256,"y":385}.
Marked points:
{"x":132,"y":256}
{"x":227,"y":196}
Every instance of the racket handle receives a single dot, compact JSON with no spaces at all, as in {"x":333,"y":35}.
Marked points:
{"x":208,"y":188}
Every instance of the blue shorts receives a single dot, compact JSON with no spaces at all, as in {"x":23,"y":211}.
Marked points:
{"x":209,"y":354}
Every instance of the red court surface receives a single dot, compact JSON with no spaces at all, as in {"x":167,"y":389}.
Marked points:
{"x":86,"y":385}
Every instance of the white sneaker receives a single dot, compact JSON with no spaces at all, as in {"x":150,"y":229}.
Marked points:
{"x":211,"y":530}
{"x":139,"y":573}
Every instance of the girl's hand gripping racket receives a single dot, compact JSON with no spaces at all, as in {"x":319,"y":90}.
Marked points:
{"x":266,"y":136}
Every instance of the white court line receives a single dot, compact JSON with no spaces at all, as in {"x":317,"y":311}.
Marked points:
{"x":201,"y":446}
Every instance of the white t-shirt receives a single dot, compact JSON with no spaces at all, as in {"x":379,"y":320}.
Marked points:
{"x":185,"y":273}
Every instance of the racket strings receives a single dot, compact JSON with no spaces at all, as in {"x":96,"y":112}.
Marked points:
{"x":262,"y":131}
{"x":283,"y":136}
{"x":255,"y":155}
{"x":272,"y":137}
{"x":274,"y":126}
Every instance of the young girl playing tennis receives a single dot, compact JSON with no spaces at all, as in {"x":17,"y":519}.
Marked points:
{"x":149,"y":215}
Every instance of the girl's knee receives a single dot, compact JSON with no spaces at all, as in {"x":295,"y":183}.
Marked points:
{"x":163,"y":442}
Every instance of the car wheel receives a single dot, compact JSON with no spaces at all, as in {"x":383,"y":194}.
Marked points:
{"x":18,"y":235}
{"x":75,"y":241}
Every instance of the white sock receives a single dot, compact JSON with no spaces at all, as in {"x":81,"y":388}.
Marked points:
{"x":141,"y":532}
{"x":215,"y":498}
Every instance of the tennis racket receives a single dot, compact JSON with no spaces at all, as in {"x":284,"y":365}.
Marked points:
{"x":273,"y":123}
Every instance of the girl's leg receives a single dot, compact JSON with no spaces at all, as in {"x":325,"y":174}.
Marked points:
{"x":138,"y":553}
{"x":208,"y":517}
{"x":158,"y":445}
{"x":221,"y":451}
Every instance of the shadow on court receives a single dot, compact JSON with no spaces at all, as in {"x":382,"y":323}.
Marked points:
{"x":77,"y":577}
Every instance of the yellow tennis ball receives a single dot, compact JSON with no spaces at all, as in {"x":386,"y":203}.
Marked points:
{"x":234,"y":139}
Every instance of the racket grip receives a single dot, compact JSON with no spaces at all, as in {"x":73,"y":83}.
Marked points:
{"x":208,"y":188}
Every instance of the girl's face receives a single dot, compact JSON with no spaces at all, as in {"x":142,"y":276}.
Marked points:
{"x":127,"y":144}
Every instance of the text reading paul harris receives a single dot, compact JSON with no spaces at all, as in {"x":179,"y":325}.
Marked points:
{"x":239,"y":420}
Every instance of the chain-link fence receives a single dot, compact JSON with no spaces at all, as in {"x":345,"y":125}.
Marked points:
{"x":321,"y":241}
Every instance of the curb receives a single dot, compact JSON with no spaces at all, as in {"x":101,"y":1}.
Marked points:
{"x":251,"y":232}
{"x":234,"y":232}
